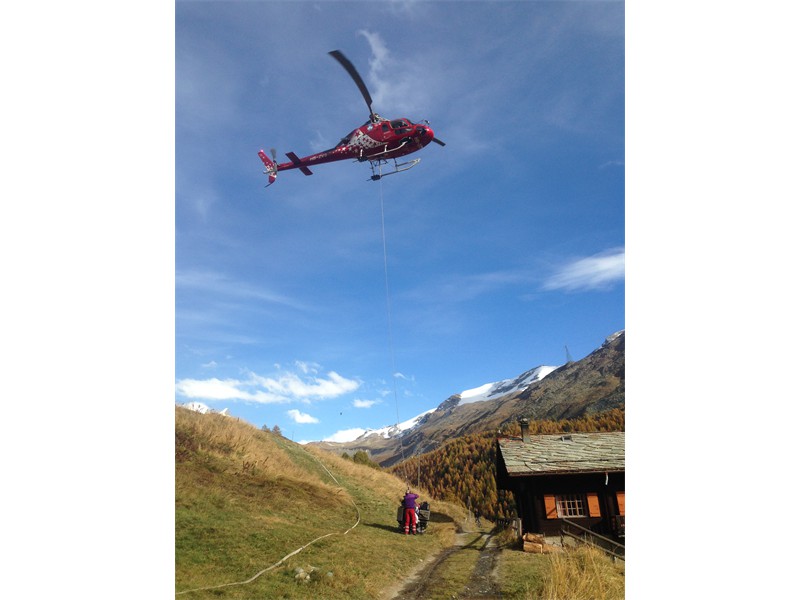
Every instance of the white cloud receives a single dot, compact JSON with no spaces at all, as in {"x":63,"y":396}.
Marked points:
{"x":380,"y":89}
{"x":380,"y":53}
{"x":299,"y":417}
{"x":228,"y":389}
{"x":364,"y":403}
{"x":307,"y":367}
{"x":594,"y":272}
{"x":345,"y":435}
{"x":292,"y":386}
{"x":399,"y":375}
{"x":285,"y":388}
{"x":393,"y":83}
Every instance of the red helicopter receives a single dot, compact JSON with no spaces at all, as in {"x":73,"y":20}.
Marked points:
{"x":377,"y":141}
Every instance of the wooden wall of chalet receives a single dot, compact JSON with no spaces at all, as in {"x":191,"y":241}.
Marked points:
{"x":530,"y":492}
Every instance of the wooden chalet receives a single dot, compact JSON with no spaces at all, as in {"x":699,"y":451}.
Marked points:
{"x":575,"y":476}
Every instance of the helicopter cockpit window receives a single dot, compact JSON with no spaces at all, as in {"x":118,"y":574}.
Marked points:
{"x":401,"y":126}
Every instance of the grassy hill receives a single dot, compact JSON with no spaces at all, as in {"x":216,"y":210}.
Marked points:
{"x":248,"y":503}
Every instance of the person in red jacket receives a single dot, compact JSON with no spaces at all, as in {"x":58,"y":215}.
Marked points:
{"x":410,"y":506}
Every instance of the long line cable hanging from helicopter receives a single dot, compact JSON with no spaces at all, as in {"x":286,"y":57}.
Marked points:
{"x":389,"y":328}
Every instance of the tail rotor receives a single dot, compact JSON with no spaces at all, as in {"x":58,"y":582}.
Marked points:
{"x":271,"y":170}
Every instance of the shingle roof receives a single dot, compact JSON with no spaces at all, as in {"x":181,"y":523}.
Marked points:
{"x":564,"y":453}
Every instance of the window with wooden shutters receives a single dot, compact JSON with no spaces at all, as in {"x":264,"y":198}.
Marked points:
{"x":571,"y":505}
{"x":576,"y":505}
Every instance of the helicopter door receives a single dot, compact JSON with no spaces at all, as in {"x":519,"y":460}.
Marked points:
{"x":386,"y":132}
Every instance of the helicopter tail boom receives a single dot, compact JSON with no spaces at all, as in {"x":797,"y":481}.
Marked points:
{"x":298,"y":163}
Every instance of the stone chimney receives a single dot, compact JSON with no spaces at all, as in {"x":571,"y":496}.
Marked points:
{"x":523,"y":424}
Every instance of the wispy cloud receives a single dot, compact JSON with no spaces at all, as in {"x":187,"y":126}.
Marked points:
{"x":281,"y":389}
{"x":209,"y":281}
{"x":364,"y":403}
{"x":600,"y":271}
{"x":380,"y":53}
{"x":307,"y":367}
{"x":461,"y":287}
{"x":379,"y":88}
{"x":393,"y":83}
{"x":399,"y":375}
{"x":612,"y":163}
{"x":299,"y":417}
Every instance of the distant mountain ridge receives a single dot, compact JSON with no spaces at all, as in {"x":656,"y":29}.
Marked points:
{"x":391,"y":431}
{"x":486,"y":392}
{"x":577,"y":388}
{"x":492,"y":391}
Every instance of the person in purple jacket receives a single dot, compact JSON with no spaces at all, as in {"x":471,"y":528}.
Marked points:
{"x":410,"y":506}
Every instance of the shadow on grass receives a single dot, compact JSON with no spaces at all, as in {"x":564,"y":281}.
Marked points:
{"x":382,"y":526}
{"x":387,"y":528}
{"x":435,"y":518}
{"x":443,"y":518}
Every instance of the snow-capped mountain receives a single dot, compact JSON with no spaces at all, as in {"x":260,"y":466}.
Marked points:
{"x":592,"y":384}
{"x":493,"y":391}
{"x":387,"y":432}
{"x":486,"y":392}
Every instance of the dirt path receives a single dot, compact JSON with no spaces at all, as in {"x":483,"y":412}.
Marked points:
{"x":481,"y":585}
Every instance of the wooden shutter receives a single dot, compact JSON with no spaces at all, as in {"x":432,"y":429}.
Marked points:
{"x":594,"y":505}
{"x":621,"y":503}
{"x":550,"y":510}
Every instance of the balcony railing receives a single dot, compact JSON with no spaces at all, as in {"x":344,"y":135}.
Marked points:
{"x":587,"y":536}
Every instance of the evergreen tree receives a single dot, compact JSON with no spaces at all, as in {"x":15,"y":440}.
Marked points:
{"x":361,"y":457}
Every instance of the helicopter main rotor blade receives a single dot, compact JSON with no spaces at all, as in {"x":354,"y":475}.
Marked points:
{"x":348,"y":66}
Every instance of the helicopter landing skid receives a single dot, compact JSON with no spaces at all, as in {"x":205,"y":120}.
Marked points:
{"x":377,"y":167}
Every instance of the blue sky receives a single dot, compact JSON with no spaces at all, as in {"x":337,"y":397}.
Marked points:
{"x":502,"y":250}
{"x":141,"y":249}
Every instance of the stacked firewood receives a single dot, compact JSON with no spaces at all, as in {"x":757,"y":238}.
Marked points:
{"x":534,"y":542}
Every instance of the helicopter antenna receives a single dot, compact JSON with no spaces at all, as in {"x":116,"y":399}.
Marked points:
{"x":348,"y":66}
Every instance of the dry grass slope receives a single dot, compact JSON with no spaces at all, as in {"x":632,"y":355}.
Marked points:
{"x":584,"y":573}
{"x":246,"y":498}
